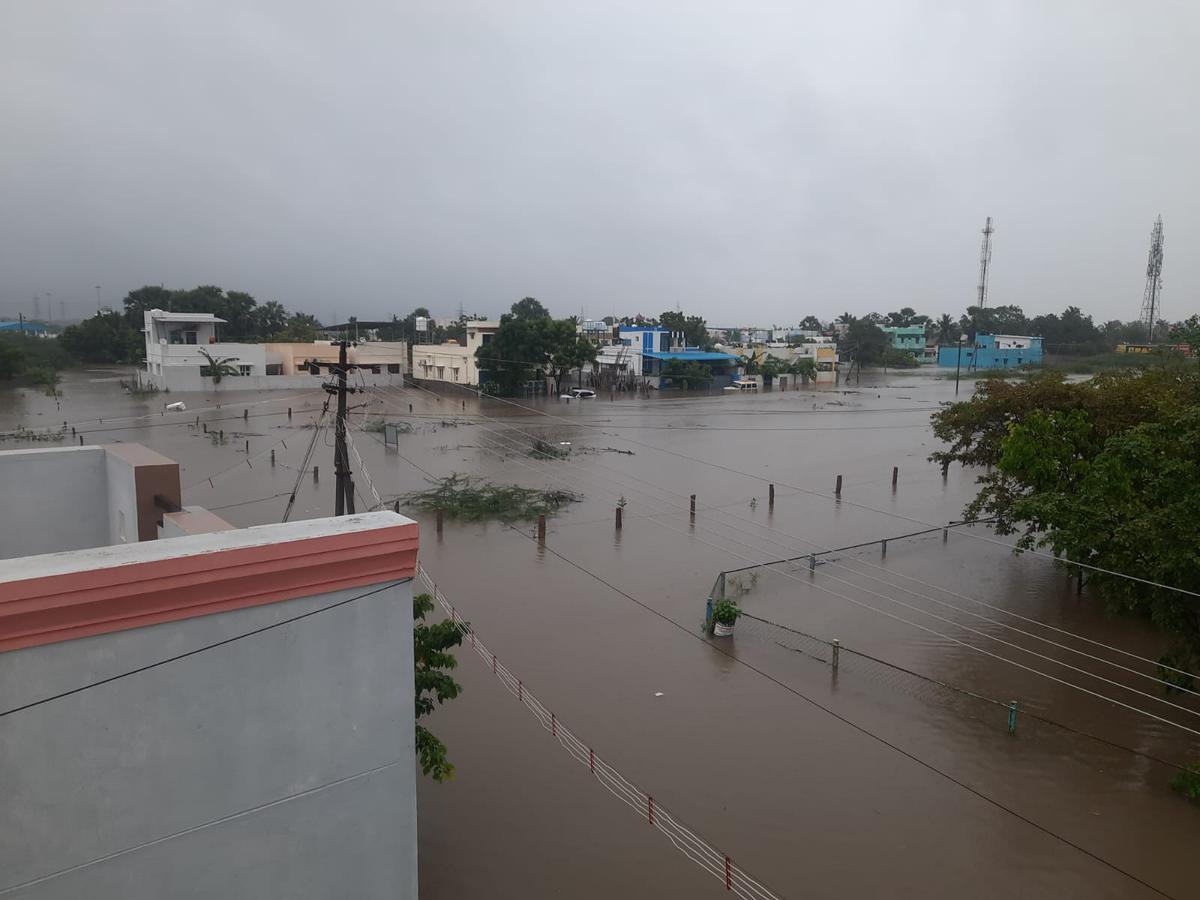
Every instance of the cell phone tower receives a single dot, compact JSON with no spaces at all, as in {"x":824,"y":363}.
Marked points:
{"x":1152,"y":298}
{"x":985,"y":260}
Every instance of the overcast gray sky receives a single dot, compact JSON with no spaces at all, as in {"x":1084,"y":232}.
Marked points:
{"x":750,"y":162}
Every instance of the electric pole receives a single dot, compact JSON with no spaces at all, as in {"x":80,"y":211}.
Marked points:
{"x":343,"y":498}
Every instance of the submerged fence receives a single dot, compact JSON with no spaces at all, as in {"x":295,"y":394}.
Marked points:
{"x":710,"y":859}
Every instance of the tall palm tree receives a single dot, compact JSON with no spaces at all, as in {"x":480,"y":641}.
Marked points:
{"x":945,"y":329}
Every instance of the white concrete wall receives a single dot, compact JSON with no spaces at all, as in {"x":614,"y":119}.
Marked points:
{"x":209,"y":749}
{"x":120,"y":478}
{"x":54,"y":499}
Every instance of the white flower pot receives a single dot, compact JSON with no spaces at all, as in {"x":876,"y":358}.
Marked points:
{"x":720,"y":630}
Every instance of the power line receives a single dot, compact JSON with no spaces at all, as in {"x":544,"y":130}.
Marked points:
{"x":885,"y":512}
{"x":859,"y":728}
{"x":656,"y":487}
{"x":209,"y":824}
{"x":198,"y":650}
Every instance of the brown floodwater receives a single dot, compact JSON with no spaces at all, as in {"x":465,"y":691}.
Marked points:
{"x":901,"y":796}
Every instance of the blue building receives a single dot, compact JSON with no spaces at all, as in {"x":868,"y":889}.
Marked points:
{"x":993,"y":351}
{"x":650,"y":348}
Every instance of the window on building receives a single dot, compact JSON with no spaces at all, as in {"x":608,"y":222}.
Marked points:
{"x":244,"y":370}
{"x":486,"y":337}
{"x":393,"y":368}
{"x":189,"y":337}
{"x":274,"y":368}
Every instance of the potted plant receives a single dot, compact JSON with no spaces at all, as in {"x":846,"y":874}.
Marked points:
{"x":725,"y":615}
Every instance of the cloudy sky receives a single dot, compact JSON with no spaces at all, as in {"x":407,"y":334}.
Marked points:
{"x":746,"y":161}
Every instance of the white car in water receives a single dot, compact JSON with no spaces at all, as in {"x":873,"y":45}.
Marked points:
{"x":578,"y":394}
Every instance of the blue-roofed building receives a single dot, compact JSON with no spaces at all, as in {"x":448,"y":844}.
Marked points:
{"x":644,"y":351}
{"x":994,"y":351}
{"x":19,"y":327}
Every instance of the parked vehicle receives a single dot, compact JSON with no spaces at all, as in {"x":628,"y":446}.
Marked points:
{"x":578,"y":394}
{"x":743,"y":384}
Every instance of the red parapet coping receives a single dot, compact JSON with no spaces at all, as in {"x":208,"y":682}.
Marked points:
{"x":62,"y":607}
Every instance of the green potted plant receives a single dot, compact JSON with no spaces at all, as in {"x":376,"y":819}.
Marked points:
{"x":725,"y":615}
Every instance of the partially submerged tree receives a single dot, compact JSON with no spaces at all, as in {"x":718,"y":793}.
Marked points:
{"x":433,"y":683}
{"x":1104,"y":472}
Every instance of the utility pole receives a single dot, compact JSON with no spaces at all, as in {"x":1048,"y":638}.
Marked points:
{"x":21,"y":323}
{"x":343,"y":497}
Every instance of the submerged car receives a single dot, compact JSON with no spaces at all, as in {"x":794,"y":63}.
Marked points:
{"x":578,"y":394}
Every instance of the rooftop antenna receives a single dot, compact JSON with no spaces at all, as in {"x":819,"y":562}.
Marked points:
{"x":1152,"y":298}
{"x":985,"y":260}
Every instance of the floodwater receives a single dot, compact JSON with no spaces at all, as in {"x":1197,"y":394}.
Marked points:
{"x":871,"y":781}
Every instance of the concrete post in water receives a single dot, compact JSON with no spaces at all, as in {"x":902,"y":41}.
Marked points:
{"x":618,"y":521}
{"x":837,"y":646}
{"x":73,"y":428}
{"x":272,"y":459}
{"x":542,"y":531}
{"x":883,"y":544}
{"x":396,"y":507}
{"x":770,"y":496}
{"x":812,"y":562}
{"x":464,"y":406}
{"x":440,"y":517}
{"x":247,"y":447}
{"x":316,"y":474}
{"x":81,"y":440}
{"x":410,"y":407}
{"x":245,"y":415}
{"x":837,"y":490}
{"x":222,"y":434}
{"x":289,"y":412}
{"x":692,"y":510}
{"x":895,"y":476}
{"x":1012,"y":717}
{"x":945,"y":534}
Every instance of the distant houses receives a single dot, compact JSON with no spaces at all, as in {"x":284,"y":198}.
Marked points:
{"x":993,"y":351}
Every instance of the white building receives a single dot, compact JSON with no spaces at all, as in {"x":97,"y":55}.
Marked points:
{"x":452,"y":362}
{"x":179,"y":347}
{"x":197,"y":709}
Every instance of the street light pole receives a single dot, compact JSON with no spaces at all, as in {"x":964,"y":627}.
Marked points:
{"x":958,"y":365}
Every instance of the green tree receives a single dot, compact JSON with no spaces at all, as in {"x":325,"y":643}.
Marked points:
{"x":694,"y":328}
{"x":270,"y":318}
{"x":217,"y":368}
{"x":1188,"y":332}
{"x":810,"y":323}
{"x":687,"y":374}
{"x":12,"y":358}
{"x":139,"y":301}
{"x":300,"y":328}
{"x":867,"y":340}
{"x":568,"y":350}
{"x":946,"y":329}
{"x":433,"y":683}
{"x":1103,"y":472}
{"x":104,"y":338}
{"x":528,"y":308}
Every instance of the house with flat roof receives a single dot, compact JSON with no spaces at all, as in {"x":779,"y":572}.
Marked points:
{"x":181,"y":349}
{"x":452,"y":362}
{"x":186,"y":703}
{"x":645,"y":353}
{"x":993,"y":351}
